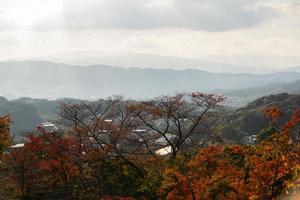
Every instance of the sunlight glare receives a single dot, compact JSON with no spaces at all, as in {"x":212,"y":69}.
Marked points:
{"x":26,"y":14}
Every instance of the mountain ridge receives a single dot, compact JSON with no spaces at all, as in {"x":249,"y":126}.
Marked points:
{"x":57,"y":80}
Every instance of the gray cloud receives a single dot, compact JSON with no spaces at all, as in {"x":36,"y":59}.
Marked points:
{"x":209,"y":15}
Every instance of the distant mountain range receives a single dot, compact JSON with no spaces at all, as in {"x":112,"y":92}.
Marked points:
{"x":129,"y":59}
{"x":255,"y":92}
{"x":124,"y":58}
{"x":241,"y":97}
{"x":293,"y":69}
{"x":41,"y":79}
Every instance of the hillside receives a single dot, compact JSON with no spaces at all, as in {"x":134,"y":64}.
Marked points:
{"x":51,"y":80}
{"x":25,"y":117}
{"x":250,"y":120}
{"x":27,"y":113}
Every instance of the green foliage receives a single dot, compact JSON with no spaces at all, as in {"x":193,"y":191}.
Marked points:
{"x":266,"y":133}
{"x":152,"y":180}
{"x":117,"y":178}
{"x":230,"y":133}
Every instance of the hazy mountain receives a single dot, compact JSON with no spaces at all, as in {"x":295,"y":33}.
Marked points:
{"x":241,"y":97}
{"x":50,"y":80}
{"x":293,"y":69}
{"x":256,"y":62}
{"x":254,"y":92}
{"x":143,"y":60}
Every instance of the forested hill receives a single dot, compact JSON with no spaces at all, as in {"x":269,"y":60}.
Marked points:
{"x":28,"y":113}
{"x":250,"y":120}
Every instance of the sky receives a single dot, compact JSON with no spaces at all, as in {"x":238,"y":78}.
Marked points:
{"x":258,"y":33}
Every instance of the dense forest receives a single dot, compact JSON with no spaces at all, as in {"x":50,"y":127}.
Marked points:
{"x":170,"y":147}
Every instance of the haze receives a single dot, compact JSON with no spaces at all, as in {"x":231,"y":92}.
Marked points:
{"x":250,"y":34}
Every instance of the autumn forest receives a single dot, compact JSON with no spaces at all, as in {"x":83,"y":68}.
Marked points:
{"x":149,"y":99}
{"x":166,"y":148}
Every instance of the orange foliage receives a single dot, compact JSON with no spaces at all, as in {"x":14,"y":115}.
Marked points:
{"x":262,"y":171}
{"x":45,"y":161}
{"x":273,"y":113}
{"x":4,"y":133}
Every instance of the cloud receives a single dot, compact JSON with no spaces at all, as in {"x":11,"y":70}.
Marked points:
{"x":208,"y":15}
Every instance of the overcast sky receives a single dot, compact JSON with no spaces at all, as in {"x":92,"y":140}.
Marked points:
{"x":259,"y":32}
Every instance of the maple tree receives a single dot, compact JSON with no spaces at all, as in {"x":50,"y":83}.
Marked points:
{"x":44,"y":164}
{"x":4,"y":133}
{"x":262,"y":171}
{"x":6,"y":188}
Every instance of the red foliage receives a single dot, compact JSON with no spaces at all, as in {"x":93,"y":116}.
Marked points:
{"x":261,"y":171}
{"x":273,"y":113}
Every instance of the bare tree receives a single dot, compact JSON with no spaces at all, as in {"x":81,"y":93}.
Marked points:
{"x":105,"y":126}
{"x":123,"y":128}
{"x":177,"y":118}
